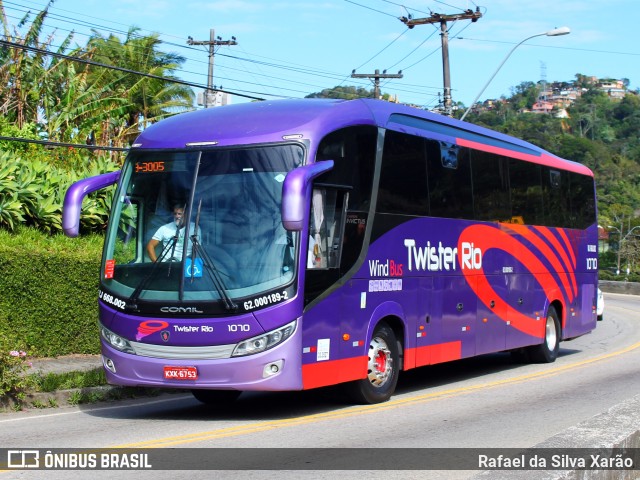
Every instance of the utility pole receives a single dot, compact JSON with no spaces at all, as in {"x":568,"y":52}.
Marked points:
{"x":444,"y":34}
{"x":212,"y":42}
{"x":376,"y":79}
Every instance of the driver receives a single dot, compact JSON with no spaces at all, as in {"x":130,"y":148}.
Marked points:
{"x":171,"y":236}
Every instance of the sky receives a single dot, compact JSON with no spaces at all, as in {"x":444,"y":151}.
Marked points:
{"x":292,"y":48}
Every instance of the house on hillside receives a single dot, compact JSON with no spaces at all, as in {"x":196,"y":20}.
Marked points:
{"x":613,"y":88}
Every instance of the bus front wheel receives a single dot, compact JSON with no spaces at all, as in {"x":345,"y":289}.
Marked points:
{"x":547,"y":351}
{"x":383,"y":368}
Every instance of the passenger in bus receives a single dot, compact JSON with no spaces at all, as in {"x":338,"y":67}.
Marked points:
{"x":171,"y":235}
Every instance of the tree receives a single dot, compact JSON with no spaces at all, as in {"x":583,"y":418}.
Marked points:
{"x":343,"y":93}
{"x":21,"y":68}
{"x":147,"y":99}
{"x":524,"y":95}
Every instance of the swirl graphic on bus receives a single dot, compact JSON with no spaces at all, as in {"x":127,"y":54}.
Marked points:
{"x":533,"y":244}
{"x":150,"y":326}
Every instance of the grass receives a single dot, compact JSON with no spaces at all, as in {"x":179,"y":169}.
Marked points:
{"x":83,"y":384}
{"x":52,"y":382}
{"x":94,"y":396}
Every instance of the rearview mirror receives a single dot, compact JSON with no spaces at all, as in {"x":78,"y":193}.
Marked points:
{"x":73,"y":199}
{"x":295,"y":191}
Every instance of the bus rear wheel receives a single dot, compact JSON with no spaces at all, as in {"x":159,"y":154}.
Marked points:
{"x":216,"y":397}
{"x":383,"y":368}
{"x":547,"y":351}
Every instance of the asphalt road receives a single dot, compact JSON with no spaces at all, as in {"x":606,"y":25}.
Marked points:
{"x":476,"y":403}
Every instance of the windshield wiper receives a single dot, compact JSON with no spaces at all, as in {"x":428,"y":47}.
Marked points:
{"x":214,"y":273}
{"x":169,"y":247}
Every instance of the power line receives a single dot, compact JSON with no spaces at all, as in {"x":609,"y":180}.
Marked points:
{"x":376,"y":79}
{"x":112,"y":67}
{"x":92,"y":22}
{"x":412,"y":51}
{"x":609,"y":52}
{"x":50,"y":143}
{"x":388,"y":45}
{"x":52,"y":17}
{"x":293,"y":68}
{"x":212,"y":43}
{"x":442,"y":19}
{"x":369,"y":8}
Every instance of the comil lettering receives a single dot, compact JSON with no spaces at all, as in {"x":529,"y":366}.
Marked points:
{"x":439,"y":258}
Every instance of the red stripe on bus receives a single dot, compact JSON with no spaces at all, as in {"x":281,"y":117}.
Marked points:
{"x":487,"y":238}
{"x":330,"y":372}
{"x":543,"y":159}
{"x":567,"y":242}
{"x":563,"y":254}
{"x":551,"y":256}
{"x":432,"y":354}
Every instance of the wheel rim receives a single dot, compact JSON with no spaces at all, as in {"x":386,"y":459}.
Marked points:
{"x":380,"y":362}
{"x":551,"y":334}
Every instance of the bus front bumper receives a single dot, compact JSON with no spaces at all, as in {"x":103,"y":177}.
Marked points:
{"x":276,"y":369}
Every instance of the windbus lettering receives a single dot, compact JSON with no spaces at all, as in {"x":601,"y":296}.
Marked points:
{"x":389,"y":268}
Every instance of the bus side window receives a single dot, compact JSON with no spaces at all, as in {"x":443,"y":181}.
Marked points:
{"x":325,"y":229}
{"x":450,"y":192}
{"x":127,"y":248}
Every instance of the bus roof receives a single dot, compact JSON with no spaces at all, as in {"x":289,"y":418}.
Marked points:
{"x":277,"y":120}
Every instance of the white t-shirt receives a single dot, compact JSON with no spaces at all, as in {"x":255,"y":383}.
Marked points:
{"x":166,"y":233}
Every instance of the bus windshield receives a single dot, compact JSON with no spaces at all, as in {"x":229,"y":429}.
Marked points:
{"x":222,"y":205}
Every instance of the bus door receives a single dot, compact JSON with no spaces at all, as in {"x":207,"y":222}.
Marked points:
{"x":458,"y":314}
{"x":491,"y":326}
{"x":528,"y":300}
{"x":426,"y":328}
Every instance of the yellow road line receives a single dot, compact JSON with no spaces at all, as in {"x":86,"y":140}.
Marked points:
{"x":365,"y":409}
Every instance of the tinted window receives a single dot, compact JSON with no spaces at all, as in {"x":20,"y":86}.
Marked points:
{"x":583,"y":213}
{"x":353,"y":151}
{"x":525,"y":180}
{"x":449,"y":188}
{"x":403,"y":178}
{"x":427,"y":177}
{"x":490,"y":186}
{"x":555,"y":188}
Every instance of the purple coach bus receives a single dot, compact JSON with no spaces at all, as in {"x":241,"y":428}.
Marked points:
{"x":294,"y":244}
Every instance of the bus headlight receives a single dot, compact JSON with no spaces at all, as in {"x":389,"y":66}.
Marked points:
{"x":116,"y":341}
{"x":265,"y":341}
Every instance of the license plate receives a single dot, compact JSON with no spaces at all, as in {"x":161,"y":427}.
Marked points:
{"x":180,"y":373}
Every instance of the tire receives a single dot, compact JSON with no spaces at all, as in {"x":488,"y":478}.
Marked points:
{"x":547,"y":351}
{"x":216,"y":397}
{"x":383,"y":369}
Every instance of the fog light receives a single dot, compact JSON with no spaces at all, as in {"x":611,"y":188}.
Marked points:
{"x":272,"y":369}
{"x":108,"y":364}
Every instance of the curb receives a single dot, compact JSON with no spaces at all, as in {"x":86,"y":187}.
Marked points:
{"x":75,"y":396}
{"x":618,"y":427}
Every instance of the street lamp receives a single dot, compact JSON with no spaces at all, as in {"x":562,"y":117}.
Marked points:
{"x":551,"y":33}
{"x":622,"y":239}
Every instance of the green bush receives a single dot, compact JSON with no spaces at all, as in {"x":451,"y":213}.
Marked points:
{"x":49,"y":290}
{"x":34,"y":196}
{"x":606,"y":275}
